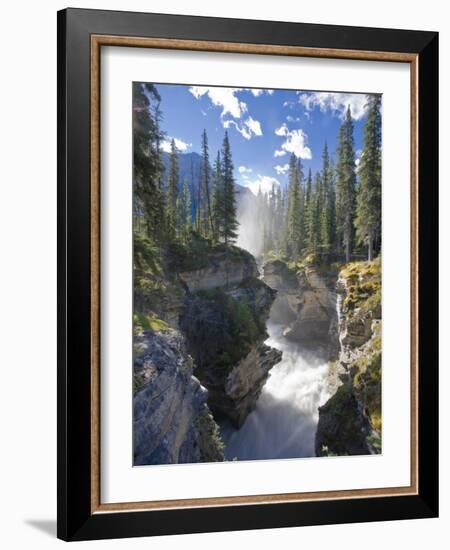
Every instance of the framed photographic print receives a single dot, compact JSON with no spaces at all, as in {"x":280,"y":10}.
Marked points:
{"x":247,"y":274}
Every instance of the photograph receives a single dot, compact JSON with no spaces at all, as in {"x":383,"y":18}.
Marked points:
{"x":257,"y":273}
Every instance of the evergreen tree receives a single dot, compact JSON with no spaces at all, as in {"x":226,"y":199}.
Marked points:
{"x":217,"y":200}
{"x":301,"y":207}
{"x":332,"y":206}
{"x":147,"y":161}
{"x":195,"y":198}
{"x":345,"y":185}
{"x":184,"y":211}
{"x":327,"y":221}
{"x":368,"y":212}
{"x":293,"y":225}
{"x":230,"y":223}
{"x":172,"y":190}
{"x":313,"y":218}
{"x":206,"y":210}
{"x":308,"y":197}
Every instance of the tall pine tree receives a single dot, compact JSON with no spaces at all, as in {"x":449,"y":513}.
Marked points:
{"x":184,"y":211}
{"x":294,"y":213}
{"x":172,"y":190}
{"x":147,"y":161}
{"x":368,"y":211}
{"x":205,"y":177}
{"x":346,"y":185}
{"x":313,"y":215}
{"x":229,"y":219}
{"x":217,"y":199}
{"x":308,"y":197}
{"x":327,"y":221}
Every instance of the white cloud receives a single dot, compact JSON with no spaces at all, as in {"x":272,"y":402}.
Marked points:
{"x":244,"y":169}
{"x":227,"y":100}
{"x":254,"y":126}
{"x":222,"y":97}
{"x":290,"y":118}
{"x":248,"y":128}
{"x":259,"y":91}
{"x":179,"y":144}
{"x":335,"y":102}
{"x":281,"y":169}
{"x":282,"y":130}
{"x":264,"y":183}
{"x":295,"y":142}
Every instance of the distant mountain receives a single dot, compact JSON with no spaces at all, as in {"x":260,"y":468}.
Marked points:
{"x":190,"y":166}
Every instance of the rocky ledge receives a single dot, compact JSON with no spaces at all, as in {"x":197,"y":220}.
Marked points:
{"x":225,"y":266}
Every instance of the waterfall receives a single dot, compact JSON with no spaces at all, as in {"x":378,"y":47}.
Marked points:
{"x":339,"y":310}
{"x":283,"y":424}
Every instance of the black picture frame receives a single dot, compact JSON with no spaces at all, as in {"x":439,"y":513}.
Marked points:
{"x":75,"y":518}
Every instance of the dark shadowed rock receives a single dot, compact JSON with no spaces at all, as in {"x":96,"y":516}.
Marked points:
{"x":343,"y":428}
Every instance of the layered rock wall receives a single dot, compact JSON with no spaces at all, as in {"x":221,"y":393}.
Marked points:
{"x":350,"y":421}
{"x":307,"y":303}
{"x":170,"y":409}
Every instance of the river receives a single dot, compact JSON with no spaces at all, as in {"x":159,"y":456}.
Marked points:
{"x":284,"y":422}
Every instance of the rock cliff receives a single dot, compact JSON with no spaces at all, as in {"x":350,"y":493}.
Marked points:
{"x":307,"y":299}
{"x":171,"y":420}
{"x":225,"y":332}
{"x":225,"y":267}
{"x":350,"y":421}
{"x":199,"y":349}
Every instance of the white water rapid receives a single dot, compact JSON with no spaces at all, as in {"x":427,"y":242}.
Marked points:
{"x":284,"y":422}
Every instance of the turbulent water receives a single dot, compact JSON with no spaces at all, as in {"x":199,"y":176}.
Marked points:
{"x":283,"y":424}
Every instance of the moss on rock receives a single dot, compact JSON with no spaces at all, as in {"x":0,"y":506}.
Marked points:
{"x":351,"y":420}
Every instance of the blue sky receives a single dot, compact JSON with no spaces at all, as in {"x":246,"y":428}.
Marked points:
{"x":264,"y":126}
